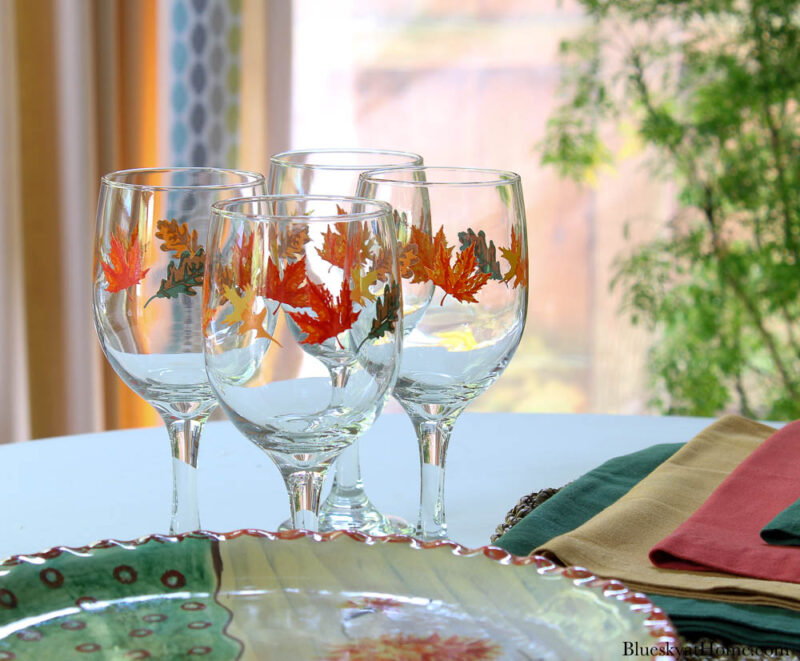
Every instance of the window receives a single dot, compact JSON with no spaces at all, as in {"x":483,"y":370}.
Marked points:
{"x":472,"y":83}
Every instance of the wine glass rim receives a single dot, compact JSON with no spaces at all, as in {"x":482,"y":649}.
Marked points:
{"x":483,"y":176}
{"x":285,"y":158}
{"x":118,"y":179}
{"x":224,"y":208}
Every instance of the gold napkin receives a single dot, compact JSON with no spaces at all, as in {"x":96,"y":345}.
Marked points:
{"x":616,"y":542}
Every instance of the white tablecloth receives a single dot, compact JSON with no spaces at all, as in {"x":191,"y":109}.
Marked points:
{"x":74,"y":490}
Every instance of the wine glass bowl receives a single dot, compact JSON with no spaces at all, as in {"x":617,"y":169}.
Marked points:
{"x":329,"y":265}
{"x":466,"y":282}
{"x":148,"y":275}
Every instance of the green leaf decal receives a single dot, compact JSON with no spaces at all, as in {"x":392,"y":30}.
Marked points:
{"x":485,"y":255}
{"x":182,"y":279}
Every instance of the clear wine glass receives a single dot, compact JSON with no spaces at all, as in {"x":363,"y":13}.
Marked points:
{"x":148,"y":271}
{"x":330,"y":264}
{"x":335,"y":172}
{"x":465,"y":234}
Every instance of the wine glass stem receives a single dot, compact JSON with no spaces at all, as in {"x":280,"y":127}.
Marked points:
{"x":347,"y":484}
{"x":347,"y":473}
{"x":304,"y":488}
{"x":184,"y":436}
{"x":340,"y":374}
{"x":433,"y":436}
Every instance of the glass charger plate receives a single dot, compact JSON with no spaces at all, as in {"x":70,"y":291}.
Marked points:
{"x":296,"y":595}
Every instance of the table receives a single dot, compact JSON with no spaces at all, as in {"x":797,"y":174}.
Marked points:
{"x":74,"y":490}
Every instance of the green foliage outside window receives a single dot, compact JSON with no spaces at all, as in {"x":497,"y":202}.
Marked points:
{"x":712,"y":89}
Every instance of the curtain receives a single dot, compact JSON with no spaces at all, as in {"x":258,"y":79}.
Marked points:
{"x":91,"y":87}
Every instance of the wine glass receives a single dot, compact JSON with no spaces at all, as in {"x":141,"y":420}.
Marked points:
{"x":148,"y":269}
{"x":335,"y":172}
{"x":330,"y":264}
{"x":464,"y":233}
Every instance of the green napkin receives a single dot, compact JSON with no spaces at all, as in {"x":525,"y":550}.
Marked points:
{"x":784,"y":529}
{"x":576,"y":503}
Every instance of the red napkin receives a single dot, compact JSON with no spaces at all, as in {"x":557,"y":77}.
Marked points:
{"x":724,"y":533}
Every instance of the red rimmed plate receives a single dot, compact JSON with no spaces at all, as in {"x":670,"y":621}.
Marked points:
{"x":251,"y":594}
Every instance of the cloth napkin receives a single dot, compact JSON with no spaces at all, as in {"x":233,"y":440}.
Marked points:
{"x":724,"y":534}
{"x":581,"y":500}
{"x":784,"y":529}
{"x":617,"y":541}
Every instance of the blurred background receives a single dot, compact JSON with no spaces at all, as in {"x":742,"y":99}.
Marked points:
{"x":91,"y":86}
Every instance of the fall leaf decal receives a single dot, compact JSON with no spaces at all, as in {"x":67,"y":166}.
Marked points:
{"x":460,"y":281}
{"x":243,"y":312}
{"x":297,"y":238}
{"x":352,"y":237}
{"x":187,"y":274}
{"x":176,"y":237}
{"x":360,"y":292}
{"x":486,"y":256}
{"x":331,"y":317}
{"x":243,"y":258}
{"x":518,"y":266}
{"x":183,"y":278}
{"x":387,"y":313}
{"x":291,"y":289}
{"x":408,"y":261}
{"x":242,"y":261}
{"x":124,"y":266}
{"x":424,"y":252}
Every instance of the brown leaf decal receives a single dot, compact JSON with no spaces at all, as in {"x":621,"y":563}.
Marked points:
{"x":176,"y":237}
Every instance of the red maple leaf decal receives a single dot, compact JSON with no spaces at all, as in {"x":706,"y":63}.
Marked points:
{"x":292,"y":288}
{"x":332,"y":317}
{"x":124,"y":267}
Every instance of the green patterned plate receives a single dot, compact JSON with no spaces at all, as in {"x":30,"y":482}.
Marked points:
{"x":297,"y":595}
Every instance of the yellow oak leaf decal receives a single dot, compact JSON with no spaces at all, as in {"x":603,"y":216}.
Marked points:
{"x":243,"y":312}
{"x":361,"y":283}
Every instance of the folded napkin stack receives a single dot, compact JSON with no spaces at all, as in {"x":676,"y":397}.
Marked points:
{"x":699,"y":508}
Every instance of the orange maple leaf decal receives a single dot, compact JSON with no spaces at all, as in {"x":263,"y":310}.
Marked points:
{"x":176,"y":237}
{"x":290,"y":289}
{"x":461,"y":281}
{"x":243,"y":258}
{"x":332,"y":317}
{"x":425,"y":253}
{"x":349,"y":240}
{"x":518,"y":267}
{"x":124,"y":266}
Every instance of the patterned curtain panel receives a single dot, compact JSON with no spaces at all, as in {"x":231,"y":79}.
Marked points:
{"x":202,"y":75}
{"x":93,"y":86}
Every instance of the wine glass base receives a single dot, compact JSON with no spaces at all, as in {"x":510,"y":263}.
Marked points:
{"x":378,"y":526}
